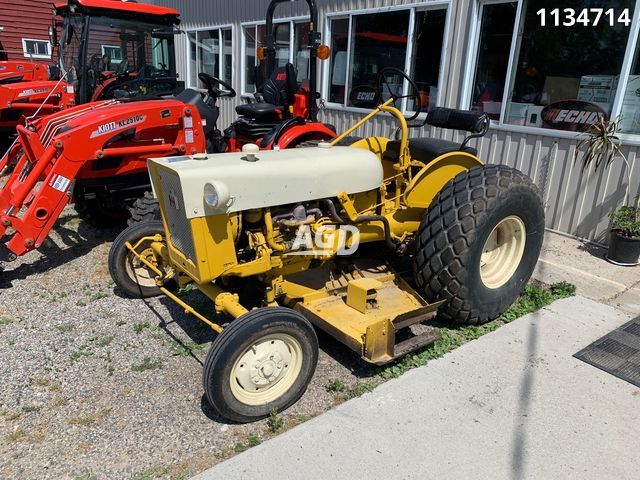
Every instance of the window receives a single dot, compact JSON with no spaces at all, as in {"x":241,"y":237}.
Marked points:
{"x":36,"y":48}
{"x":286,"y":33}
{"x":362,"y":44}
{"x":210,"y":51}
{"x":564,"y":77}
{"x":492,"y":58}
{"x":560,"y":77}
{"x":113,"y":52}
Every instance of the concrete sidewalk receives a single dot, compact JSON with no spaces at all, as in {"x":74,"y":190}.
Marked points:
{"x":514,"y":404}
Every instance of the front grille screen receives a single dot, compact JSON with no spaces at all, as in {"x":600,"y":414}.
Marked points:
{"x":173,"y":203}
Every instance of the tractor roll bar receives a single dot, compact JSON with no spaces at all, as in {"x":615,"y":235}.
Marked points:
{"x":314,"y":43}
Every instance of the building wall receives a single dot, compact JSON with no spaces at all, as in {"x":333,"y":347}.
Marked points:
{"x":577,"y":201}
{"x":24,"y":19}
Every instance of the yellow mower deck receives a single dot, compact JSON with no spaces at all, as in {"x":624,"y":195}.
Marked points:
{"x":364,"y":309}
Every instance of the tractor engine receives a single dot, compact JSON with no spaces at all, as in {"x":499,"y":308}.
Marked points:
{"x":235,"y":212}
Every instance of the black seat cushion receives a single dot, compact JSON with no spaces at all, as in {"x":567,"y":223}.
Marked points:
{"x":256,"y":129}
{"x":426,"y":149}
{"x":257,"y":110}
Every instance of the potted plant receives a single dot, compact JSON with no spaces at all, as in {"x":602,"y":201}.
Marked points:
{"x":602,"y":145}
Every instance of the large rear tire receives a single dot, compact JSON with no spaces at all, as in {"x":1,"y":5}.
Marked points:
{"x":262,"y":362}
{"x":145,"y":209}
{"x":479,"y":242}
{"x":101,"y":212}
{"x":130,"y":275}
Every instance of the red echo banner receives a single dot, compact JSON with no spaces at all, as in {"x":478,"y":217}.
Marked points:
{"x":571,"y":115}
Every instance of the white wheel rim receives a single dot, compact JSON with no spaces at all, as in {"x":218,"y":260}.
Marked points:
{"x":502,"y":252}
{"x":266,"y":370}
{"x":139,"y":272}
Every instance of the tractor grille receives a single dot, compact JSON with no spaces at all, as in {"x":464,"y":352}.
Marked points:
{"x":173,"y":203}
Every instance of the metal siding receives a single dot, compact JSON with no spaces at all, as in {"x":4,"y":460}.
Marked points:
{"x":577,"y":202}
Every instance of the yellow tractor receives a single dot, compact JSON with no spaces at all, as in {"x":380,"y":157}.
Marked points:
{"x":315,"y":232}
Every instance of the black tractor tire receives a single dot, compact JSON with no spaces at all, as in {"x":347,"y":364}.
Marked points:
{"x":100,"y":213}
{"x":267,"y":331}
{"x":144,"y":209}
{"x":128,"y":273}
{"x":461,"y":233}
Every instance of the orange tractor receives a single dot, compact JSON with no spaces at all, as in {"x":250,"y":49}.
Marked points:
{"x":107,"y":49}
{"x":94,"y":155}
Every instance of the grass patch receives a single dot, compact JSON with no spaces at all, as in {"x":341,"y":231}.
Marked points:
{"x":532,"y":298}
{"x":181,"y":349}
{"x":16,"y":435}
{"x":360,"y":388}
{"x":5,"y":321}
{"x":90,"y":419}
{"x":147,"y":364}
{"x":252,"y":440}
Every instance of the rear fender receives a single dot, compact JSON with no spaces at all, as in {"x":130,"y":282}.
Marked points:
{"x":435,"y":175}
{"x":299,"y":133}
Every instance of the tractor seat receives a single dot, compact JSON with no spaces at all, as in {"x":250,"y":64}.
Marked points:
{"x":278,"y":93}
{"x":426,"y":149}
{"x":193,"y":97}
{"x":259,"y":111}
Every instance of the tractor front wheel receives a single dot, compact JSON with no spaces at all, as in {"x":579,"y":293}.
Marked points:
{"x":262,"y":362}
{"x":130,"y":274}
{"x":479,"y":242}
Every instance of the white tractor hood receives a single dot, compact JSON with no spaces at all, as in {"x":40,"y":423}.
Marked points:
{"x":276,"y":177}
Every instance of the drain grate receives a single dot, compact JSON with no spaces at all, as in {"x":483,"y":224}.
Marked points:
{"x":617,"y":353}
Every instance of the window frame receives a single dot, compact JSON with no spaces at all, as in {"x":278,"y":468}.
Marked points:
{"x":36,"y":40}
{"x":633,"y":43}
{"x":413,"y":8}
{"x":104,"y":48}
{"x":243,"y":45}
{"x":219,"y":28}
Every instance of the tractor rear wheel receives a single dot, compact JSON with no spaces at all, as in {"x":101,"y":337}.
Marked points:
{"x":101,"y":212}
{"x":129,"y":273}
{"x":262,"y":362}
{"x":145,"y":209}
{"x":479,"y":242}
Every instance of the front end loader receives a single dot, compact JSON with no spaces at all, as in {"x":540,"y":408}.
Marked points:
{"x":93,"y":155}
{"x":292,"y":228}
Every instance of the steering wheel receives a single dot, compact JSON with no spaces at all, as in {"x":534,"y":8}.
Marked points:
{"x":122,"y":68}
{"x":213,"y":91}
{"x":414,"y":91}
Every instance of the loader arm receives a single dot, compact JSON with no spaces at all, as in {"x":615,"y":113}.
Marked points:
{"x":106,"y":140}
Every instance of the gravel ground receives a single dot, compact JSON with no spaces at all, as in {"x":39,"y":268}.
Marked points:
{"x":99,"y":386}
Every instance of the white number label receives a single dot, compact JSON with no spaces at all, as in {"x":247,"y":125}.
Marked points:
{"x":569,"y":17}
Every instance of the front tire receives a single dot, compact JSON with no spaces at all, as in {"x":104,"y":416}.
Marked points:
{"x":262,"y":362}
{"x":130,"y":275}
{"x":479,"y":242}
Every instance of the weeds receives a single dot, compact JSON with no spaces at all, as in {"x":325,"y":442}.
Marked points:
{"x":360,"y":388}
{"x":274,"y":422}
{"x":66,"y":327}
{"x":141,"y":326}
{"x":336,"y":386}
{"x":252,"y":441}
{"x":150,"y":473}
{"x":5,"y":321}
{"x":181,"y":349}
{"x":90,"y":419}
{"x":147,"y":364}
